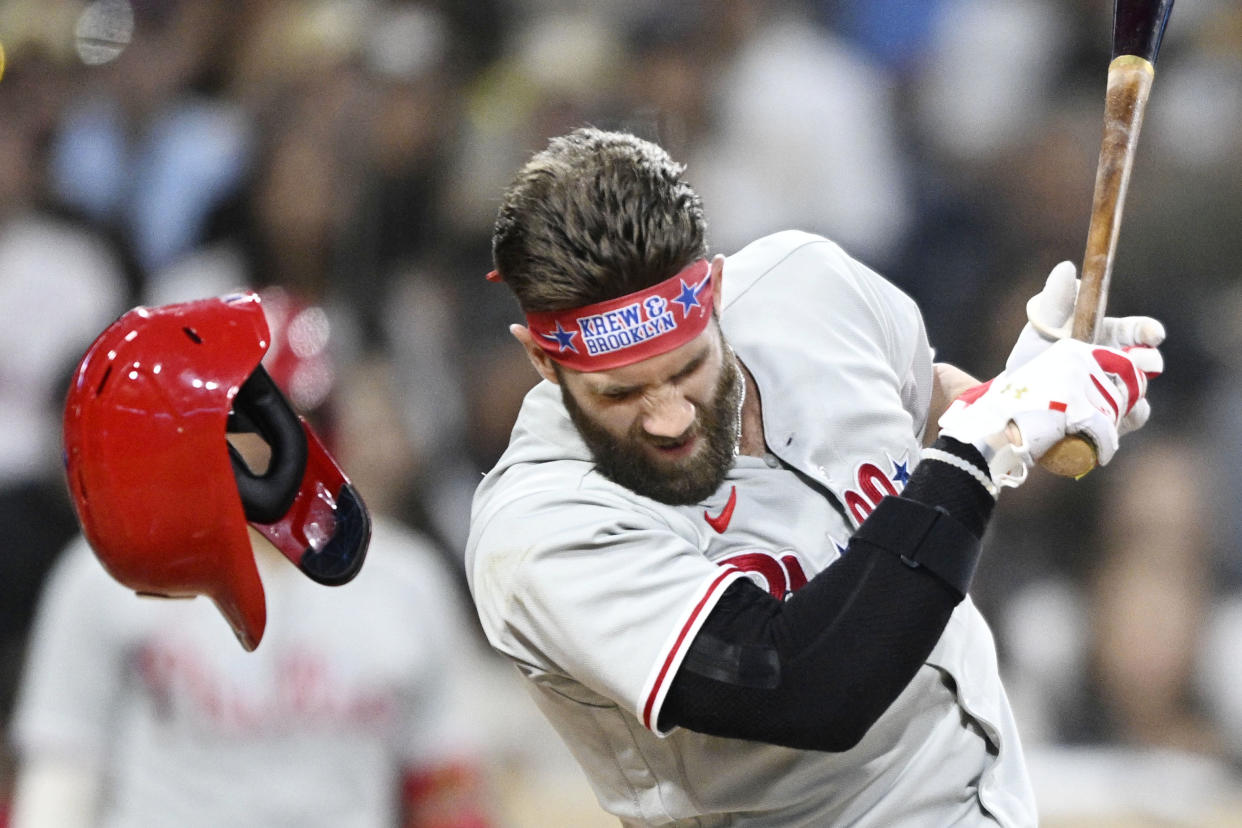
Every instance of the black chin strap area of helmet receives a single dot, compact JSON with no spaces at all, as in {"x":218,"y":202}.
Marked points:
{"x":261,"y":408}
{"x":341,"y":557}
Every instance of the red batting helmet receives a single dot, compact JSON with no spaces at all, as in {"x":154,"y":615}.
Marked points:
{"x":164,"y":499}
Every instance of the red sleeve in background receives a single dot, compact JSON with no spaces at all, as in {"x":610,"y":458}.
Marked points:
{"x":446,"y":796}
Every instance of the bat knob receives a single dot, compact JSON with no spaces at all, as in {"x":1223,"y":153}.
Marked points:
{"x":1072,"y":456}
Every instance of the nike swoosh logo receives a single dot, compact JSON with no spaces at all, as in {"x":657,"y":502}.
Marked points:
{"x":721,"y":521}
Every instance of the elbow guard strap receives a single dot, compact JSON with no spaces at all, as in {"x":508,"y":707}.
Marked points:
{"x":923,"y":537}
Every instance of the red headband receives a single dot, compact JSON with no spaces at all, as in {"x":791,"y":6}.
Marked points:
{"x":629,"y":328}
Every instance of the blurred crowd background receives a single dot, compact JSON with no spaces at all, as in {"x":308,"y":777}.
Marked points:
{"x":346,"y":157}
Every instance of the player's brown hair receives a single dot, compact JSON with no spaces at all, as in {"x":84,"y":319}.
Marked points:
{"x":595,"y":216}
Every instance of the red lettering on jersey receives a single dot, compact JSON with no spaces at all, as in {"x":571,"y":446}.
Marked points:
{"x":191,"y":686}
{"x":781,"y":576}
{"x":873,"y":485}
{"x":797,"y":578}
{"x":859,"y":508}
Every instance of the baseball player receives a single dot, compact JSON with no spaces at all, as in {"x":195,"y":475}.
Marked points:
{"x":717,"y":546}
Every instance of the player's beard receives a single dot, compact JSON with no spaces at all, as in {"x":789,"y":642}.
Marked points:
{"x":627,"y":461}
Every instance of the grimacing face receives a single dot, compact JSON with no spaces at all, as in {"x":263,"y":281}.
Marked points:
{"x":666,"y":427}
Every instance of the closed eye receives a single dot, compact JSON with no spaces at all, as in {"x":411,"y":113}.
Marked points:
{"x":619,"y":394}
{"x":691,"y":367}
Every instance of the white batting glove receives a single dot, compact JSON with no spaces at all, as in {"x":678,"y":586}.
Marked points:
{"x":1071,"y":388}
{"x":1050,"y":315}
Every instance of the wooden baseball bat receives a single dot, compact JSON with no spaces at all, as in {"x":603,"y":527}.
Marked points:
{"x":1138,"y":27}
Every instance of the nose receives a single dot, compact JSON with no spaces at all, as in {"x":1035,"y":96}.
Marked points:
{"x":667,"y":414}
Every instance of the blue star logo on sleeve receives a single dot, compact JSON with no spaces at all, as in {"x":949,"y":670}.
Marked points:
{"x":689,"y":296}
{"x":563,"y":338}
{"x":900,"y":473}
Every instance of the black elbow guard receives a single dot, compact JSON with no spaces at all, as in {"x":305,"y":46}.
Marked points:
{"x":923,"y":537}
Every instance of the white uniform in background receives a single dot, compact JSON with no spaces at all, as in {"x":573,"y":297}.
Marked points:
{"x":155,"y":710}
{"x":595,"y":592}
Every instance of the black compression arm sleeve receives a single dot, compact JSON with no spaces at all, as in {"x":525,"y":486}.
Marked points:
{"x":818,"y":670}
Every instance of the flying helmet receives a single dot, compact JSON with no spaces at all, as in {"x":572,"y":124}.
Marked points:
{"x":161,"y":494}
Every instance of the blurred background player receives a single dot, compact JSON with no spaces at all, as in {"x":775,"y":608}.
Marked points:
{"x":53,"y":266}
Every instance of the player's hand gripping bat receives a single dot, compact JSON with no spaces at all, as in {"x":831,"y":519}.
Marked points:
{"x":1138,"y":26}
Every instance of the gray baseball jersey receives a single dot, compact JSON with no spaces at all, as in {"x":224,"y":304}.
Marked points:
{"x":595,"y":593}
{"x":350,"y":688}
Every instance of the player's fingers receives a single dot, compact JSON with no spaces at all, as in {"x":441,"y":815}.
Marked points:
{"x":1040,"y":429}
{"x":1100,"y":429}
{"x":1136,"y":419}
{"x":1128,"y":380}
{"x":1121,"y":332}
{"x":1055,"y":303}
{"x":1148,"y":360}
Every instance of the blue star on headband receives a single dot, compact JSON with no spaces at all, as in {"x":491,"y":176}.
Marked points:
{"x":563,"y":338}
{"x":689,"y":296}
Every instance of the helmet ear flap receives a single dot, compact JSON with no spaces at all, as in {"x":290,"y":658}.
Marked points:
{"x":303,"y":503}
{"x":261,"y":408}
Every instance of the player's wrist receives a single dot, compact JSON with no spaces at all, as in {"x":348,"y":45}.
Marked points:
{"x":953,"y":475}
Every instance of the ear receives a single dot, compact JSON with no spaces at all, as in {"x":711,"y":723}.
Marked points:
{"x":537,"y":356}
{"x":717,"y":271}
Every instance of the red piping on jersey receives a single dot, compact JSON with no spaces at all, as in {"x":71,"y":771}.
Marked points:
{"x":681,"y":637}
